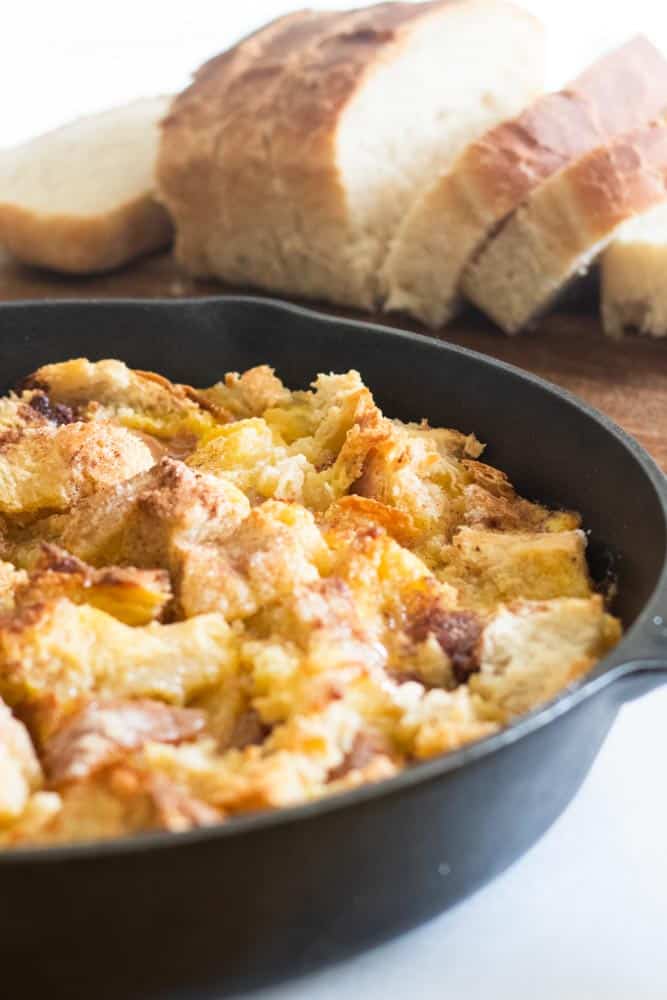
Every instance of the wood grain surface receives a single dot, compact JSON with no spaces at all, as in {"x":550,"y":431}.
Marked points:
{"x":627,"y":379}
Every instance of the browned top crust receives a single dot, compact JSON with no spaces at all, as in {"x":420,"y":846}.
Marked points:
{"x":620,"y":91}
{"x":265,"y":113}
{"x":293,"y":76}
{"x":300,"y":606}
{"x":622,"y":179}
{"x":278,"y":165}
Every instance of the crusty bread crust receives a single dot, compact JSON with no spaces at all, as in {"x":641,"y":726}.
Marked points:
{"x":77,"y":244}
{"x":565,"y":223}
{"x":264,"y":114}
{"x":248,"y":161}
{"x":79,"y":199}
{"x":623,"y":90}
{"x":449,"y":224}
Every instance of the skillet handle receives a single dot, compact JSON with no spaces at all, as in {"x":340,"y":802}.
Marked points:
{"x":643,"y":670}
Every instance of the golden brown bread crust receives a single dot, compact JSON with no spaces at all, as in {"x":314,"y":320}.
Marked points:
{"x":143,"y":401}
{"x":278,"y":85}
{"x":621,"y":180}
{"x":79,"y":199}
{"x":618,"y":92}
{"x":134,"y":596}
{"x":263,"y":172}
{"x":571,"y":217}
{"x":284,"y":68}
{"x":449,"y":225}
{"x":262,"y":117}
{"x":85,"y":245}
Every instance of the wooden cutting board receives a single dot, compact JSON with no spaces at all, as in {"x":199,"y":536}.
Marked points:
{"x":627,"y":380}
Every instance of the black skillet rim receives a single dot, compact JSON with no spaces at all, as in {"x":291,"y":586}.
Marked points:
{"x":424,"y":770}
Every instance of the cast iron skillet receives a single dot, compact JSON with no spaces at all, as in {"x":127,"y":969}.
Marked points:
{"x":276,"y":894}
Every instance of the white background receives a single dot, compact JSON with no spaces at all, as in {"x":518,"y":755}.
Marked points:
{"x":584,"y":915}
{"x":61,"y":58}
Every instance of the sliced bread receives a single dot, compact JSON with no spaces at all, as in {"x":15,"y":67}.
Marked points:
{"x":561,"y":228}
{"x":452,"y":219}
{"x":291,"y":159}
{"x":633,"y":277}
{"x":80,"y":199}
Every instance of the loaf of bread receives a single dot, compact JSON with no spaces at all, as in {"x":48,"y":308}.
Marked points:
{"x":452,"y":219}
{"x":80,"y":199}
{"x":292,"y":158}
{"x":633,"y":277}
{"x":562,"y":227}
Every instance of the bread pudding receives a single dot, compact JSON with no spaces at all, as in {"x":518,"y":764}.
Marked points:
{"x":225,"y":600}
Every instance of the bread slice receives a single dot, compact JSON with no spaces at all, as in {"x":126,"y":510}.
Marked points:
{"x":80,"y":199}
{"x":633,"y":277}
{"x":291,"y":159}
{"x":454,"y":216}
{"x":561,"y":228}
